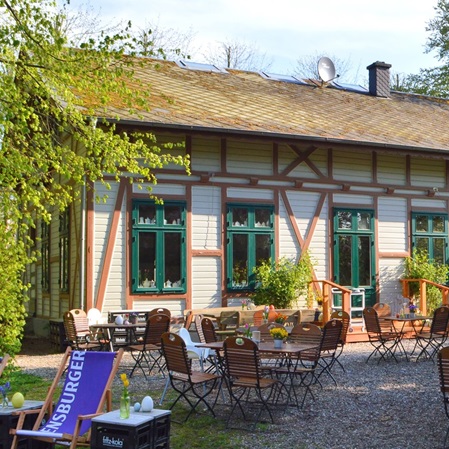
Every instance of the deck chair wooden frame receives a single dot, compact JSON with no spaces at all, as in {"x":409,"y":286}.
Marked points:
{"x":244,"y":374}
{"x":384,"y":342}
{"x":430,"y":341}
{"x":192,"y":386}
{"x":72,"y":365}
{"x":147,"y":355}
{"x":3,"y":362}
{"x":443,"y":371}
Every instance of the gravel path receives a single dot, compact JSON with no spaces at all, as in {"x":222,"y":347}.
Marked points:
{"x":375,"y":406}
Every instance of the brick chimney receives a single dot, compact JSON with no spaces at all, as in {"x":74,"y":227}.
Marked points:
{"x":379,"y":79}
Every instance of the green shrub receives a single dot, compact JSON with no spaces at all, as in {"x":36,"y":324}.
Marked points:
{"x":281,"y":284}
{"x":419,"y":266}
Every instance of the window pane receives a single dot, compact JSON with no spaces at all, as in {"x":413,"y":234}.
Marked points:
{"x":364,"y":247}
{"x":422,"y":243}
{"x":147,"y":259}
{"x":64,"y":264}
{"x":239,"y":216}
{"x":45,"y":267}
{"x":364,"y":220}
{"x":438,"y":250}
{"x":263,"y":248}
{"x":172,"y":215}
{"x":240,"y":260}
{"x":344,"y":263}
{"x":147,"y":214}
{"x":422,"y":223}
{"x":172,"y":259}
{"x":262,"y":217}
{"x":438,"y":223}
{"x":344,"y":220}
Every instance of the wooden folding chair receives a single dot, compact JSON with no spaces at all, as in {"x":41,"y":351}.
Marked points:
{"x":385,"y":342}
{"x":244,"y":375}
{"x":265,"y":330}
{"x":305,"y":365}
{"x":228,"y":323}
{"x":443,"y":371}
{"x":192,"y":386}
{"x":206,"y":332}
{"x":86,"y":393}
{"x":157,"y":311}
{"x":78,"y":333}
{"x":147,"y":355}
{"x":431,"y":340}
{"x":382,"y":309}
{"x":328,"y":348}
{"x":346,"y":322}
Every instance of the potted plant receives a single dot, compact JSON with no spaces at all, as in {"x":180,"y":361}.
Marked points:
{"x":279,"y":334}
{"x":420,"y":266}
{"x":282,"y":282}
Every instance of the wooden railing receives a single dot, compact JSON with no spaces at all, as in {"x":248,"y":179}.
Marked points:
{"x":326,"y":287}
{"x":422,"y":292}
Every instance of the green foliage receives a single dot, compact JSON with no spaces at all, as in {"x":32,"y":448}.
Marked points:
{"x":52,"y":140}
{"x":282,"y":283}
{"x":419,"y":266}
{"x":433,"y":81}
{"x":32,"y":387}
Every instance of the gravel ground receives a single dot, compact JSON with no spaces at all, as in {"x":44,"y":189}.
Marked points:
{"x":375,"y":406}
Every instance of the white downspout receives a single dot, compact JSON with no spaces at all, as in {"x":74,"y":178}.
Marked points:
{"x":83,"y":240}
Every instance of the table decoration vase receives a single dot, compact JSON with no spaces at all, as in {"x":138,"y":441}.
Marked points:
{"x":278,"y":343}
{"x":124,"y":398}
{"x":124,"y":407}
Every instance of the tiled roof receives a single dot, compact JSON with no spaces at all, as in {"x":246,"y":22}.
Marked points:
{"x":245,"y":102}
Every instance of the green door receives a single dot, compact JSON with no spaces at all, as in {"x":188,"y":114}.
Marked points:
{"x":354,"y":257}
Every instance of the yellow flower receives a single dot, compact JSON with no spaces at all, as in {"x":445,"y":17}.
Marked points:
{"x":279,"y":333}
{"x":124,"y":380}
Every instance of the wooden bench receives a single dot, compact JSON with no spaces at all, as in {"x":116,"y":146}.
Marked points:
{"x":226,"y":317}
{"x":211,"y":312}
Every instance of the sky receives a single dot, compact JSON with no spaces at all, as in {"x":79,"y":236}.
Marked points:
{"x":359,"y":31}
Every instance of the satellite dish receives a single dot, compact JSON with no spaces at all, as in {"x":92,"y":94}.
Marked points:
{"x":326,"y":69}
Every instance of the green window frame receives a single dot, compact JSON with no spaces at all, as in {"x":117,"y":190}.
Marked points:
{"x":64,"y":250}
{"x":250,"y":240}
{"x":430,"y":233}
{"x":158,"y":247}
{"x":354,"y":260}
{"x":45,"y":257}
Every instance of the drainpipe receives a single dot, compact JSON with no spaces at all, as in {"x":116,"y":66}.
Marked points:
{"x":83,"y":239}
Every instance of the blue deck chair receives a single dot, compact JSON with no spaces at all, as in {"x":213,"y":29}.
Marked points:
{"x":86,"y":393}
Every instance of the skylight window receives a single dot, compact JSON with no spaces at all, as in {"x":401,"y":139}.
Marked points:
{"x":200,"y":66}
{"x":350,"y":87}
{"x":281,"y":77}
